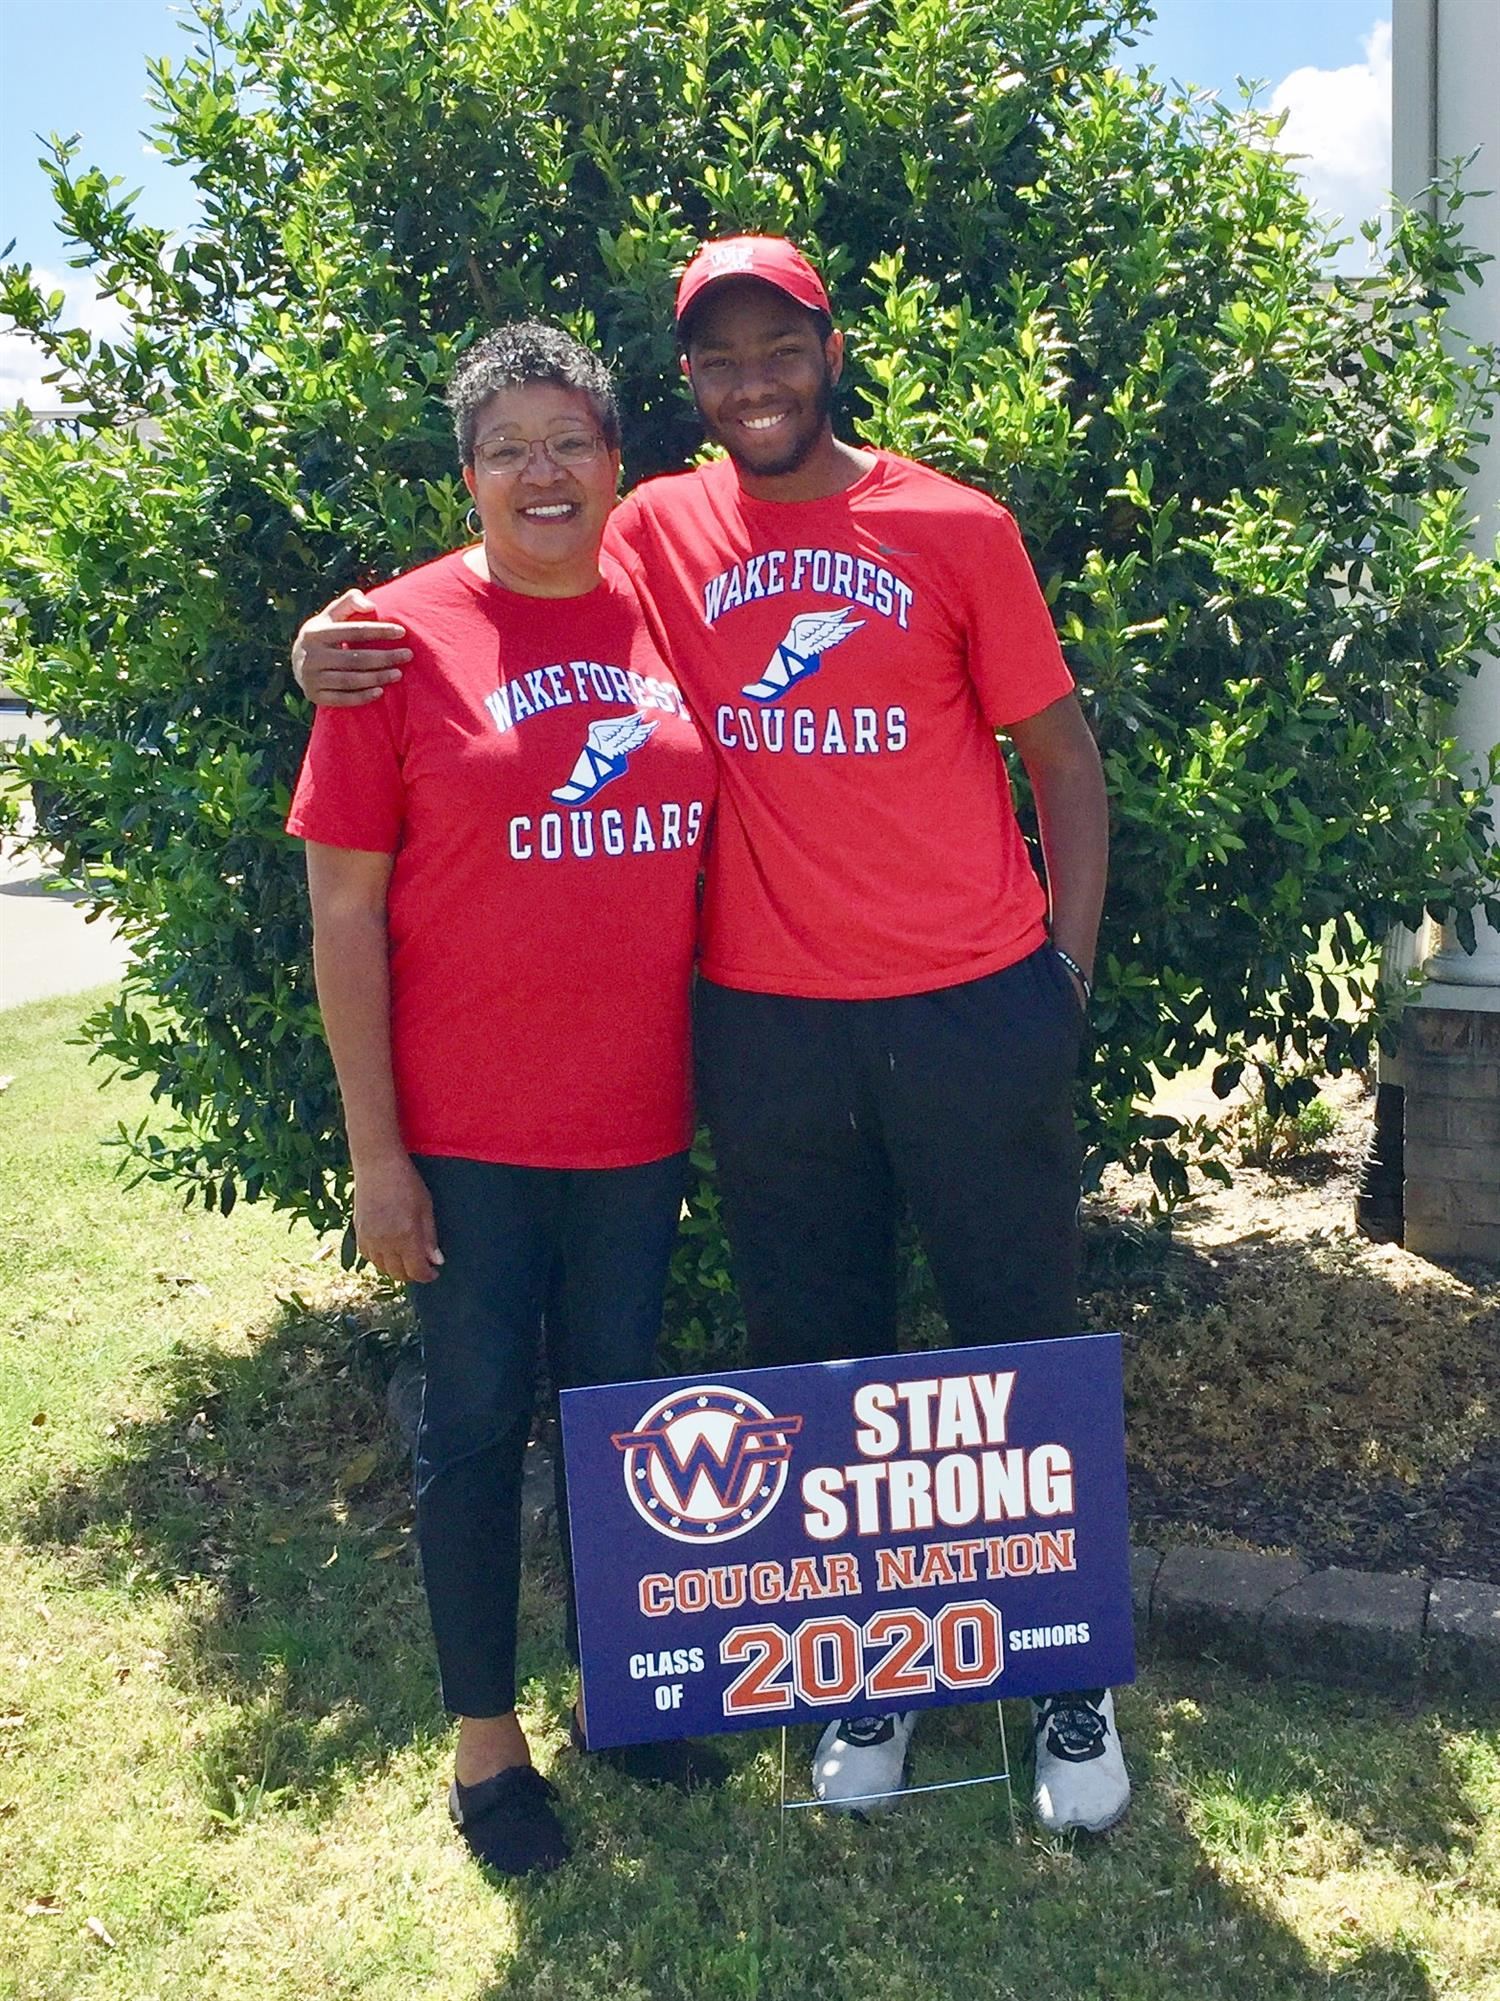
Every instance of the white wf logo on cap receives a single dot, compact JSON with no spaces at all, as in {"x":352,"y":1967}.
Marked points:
{"x":730,"y":256}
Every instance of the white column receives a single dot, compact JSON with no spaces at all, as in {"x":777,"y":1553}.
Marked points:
{"x":1446,"y":92}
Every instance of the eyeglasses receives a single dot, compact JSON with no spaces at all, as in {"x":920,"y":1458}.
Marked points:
{"x":512,"y":455}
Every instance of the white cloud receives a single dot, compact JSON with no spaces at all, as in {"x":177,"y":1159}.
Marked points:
{"x":22,"y":362}
{"x":1340,"y":120}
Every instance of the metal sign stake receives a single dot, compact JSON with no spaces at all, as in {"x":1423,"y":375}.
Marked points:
{"x":1002,"y":1777}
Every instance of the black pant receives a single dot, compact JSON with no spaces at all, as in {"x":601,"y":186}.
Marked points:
{"x":826,"y":1114}
{"x":589,"y":1248}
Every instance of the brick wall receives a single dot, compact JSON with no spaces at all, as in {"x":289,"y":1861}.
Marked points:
{"x":1451,"y":1059}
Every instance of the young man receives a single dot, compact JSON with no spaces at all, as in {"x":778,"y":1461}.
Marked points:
{"x":890,"y":1006}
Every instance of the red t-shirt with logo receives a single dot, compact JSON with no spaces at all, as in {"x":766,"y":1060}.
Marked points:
{"x":850,"y":659}
{"x":545,"y":793}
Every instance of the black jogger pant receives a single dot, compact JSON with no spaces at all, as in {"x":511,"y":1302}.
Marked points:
{"x":825,"y":1114}
{"x":589,"y":1248}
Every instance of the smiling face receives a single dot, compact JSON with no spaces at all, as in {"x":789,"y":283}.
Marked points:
{"x":543,"y":524}
{"x":763,"y":376}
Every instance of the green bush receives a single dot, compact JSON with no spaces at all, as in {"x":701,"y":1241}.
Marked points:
{"x":1242,"y":484}
{"x":1273,"y":1130}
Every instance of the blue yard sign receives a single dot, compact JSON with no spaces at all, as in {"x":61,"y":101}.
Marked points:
{"x":789,"y":1545}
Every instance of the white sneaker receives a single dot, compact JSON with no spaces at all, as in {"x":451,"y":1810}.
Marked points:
{"x":1081,"y":1781}
{"x":861,"y":1761}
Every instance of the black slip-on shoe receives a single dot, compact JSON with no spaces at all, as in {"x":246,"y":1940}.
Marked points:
{"x":510,"y":1822}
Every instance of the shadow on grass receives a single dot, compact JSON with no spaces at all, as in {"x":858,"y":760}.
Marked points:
{"x":676,"y":1901}
{"x":266,"y":1497}
{"x":269,"y":1501}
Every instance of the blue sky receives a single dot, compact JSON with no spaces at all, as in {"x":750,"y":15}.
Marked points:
{"x":79,"y":65}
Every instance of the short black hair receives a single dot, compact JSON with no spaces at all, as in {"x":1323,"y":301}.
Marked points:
{"x":529,"y":351}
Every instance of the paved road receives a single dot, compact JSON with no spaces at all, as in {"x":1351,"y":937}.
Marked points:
{"x":46,"y":947}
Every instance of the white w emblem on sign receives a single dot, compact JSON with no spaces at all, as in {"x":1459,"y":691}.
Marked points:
{"x":706,"y":1464}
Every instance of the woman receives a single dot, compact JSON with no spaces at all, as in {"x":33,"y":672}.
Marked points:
{"x":502,"y":858}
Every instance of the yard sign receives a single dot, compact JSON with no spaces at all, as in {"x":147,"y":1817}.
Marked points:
{"x":788,"y":1545}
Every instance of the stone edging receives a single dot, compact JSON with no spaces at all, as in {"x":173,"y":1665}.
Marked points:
{"x":1398,"y":1634}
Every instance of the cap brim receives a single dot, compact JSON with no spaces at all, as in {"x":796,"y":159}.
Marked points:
{"x":709,"y":286}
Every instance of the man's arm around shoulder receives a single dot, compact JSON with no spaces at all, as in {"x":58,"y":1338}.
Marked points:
{"x":344,"y":655}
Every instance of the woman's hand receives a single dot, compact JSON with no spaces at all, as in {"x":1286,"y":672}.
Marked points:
{"x":393,"y":1221}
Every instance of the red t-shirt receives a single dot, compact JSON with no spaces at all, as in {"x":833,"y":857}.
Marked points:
{"x":545,"y":794}
{"x":851,"y":659}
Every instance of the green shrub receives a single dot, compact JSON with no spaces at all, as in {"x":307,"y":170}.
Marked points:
{"x":702,"y":1308}
{"x":1242,"y":485}
{"x":1282,"y":1121}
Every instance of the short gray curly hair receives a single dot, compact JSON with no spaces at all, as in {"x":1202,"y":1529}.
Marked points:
{"x":528,"y":351}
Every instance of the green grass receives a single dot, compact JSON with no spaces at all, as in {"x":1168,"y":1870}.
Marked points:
{"x":221,"y":1740}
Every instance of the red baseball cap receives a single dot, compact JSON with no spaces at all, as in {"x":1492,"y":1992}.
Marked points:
{"x":771,"y":259}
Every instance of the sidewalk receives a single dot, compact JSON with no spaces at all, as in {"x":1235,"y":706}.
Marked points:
{"x":46,"y":946}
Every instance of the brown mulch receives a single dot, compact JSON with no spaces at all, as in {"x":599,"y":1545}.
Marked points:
{"x":1290,"y":1386}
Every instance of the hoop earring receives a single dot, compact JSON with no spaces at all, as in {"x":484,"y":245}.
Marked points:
{"x":473,"y":523}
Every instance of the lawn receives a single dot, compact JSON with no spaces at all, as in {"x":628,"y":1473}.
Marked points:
{"x":222,"y":1762}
